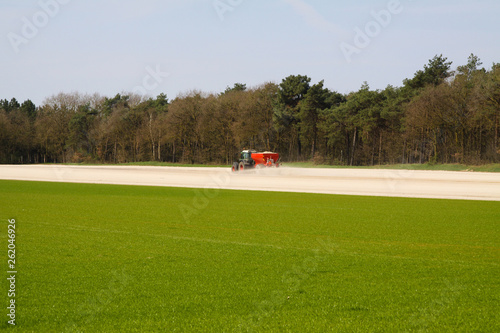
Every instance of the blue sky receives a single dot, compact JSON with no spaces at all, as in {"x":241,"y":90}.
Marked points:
{"x":175,"y":46}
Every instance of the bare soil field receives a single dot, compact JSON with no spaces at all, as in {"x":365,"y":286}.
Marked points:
{"x":394,"y":183}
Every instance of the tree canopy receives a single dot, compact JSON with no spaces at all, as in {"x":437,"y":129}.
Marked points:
{"x":438,"y":115}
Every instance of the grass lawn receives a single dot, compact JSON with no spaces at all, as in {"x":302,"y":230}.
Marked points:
{"x":102,"y":258}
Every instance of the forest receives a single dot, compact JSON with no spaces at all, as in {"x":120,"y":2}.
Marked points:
{"x":440,"y":115}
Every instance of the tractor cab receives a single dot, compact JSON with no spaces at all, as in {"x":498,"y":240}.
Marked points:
{"x":246,"y":159}
{"x":246,"y":156}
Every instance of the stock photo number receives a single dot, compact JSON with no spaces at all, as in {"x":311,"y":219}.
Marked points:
{"x":11,"y":271}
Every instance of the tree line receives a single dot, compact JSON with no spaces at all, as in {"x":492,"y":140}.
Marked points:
{"x":438,"y":116}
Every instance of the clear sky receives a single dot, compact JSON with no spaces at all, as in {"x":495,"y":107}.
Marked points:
{"x":175,"y":46}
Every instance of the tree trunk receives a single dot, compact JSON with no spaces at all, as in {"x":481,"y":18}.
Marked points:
{"x":173,"y":153}
{"x":464,"y":138}
{"x":114,"y":153}
{"x":404,"y":152}
{"x":151,"y":135}
{"x":159,"y":148}
{"x":372,"y":162}
{"x":354,"y":145}
{"x":347,"y":145}
{"x":380,"y":150}
{"x":496,"y":133}
{"x":313,"y":149}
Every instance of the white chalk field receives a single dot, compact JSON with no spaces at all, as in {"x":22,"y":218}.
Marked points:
{"x":370,"y":182}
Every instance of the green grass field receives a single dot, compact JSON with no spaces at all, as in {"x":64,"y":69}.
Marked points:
{"x":99,"y":258}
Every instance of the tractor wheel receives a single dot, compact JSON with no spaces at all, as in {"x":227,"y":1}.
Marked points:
{"x":235,"y":167}
{"x":242,"y":166}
